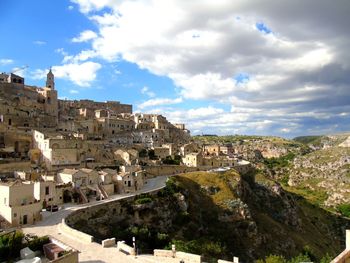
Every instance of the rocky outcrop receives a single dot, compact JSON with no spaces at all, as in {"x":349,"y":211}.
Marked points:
{"x":345,"y":143}
{"x":326,"y":170}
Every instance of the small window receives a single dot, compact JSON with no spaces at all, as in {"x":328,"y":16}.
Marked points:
{"x":14,"y":214}
{"x":47,"y":190}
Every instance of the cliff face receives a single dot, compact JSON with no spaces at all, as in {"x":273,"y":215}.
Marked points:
{"x":324,"y":172}
{"x":220,"y":216}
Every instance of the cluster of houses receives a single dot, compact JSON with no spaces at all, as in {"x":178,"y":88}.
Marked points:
{"x":78,"y":151}
{"x":22,"y":200}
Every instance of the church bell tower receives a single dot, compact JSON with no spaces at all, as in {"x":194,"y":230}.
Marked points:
{"x":50,"y":80}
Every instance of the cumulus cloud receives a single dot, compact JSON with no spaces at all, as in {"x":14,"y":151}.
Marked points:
{"x":158,"y":101}
{"x":294,"y":54}
{"x":85,"y":36}
{"x":80,"y":74}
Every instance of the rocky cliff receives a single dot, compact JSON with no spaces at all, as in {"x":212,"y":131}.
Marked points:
{"x":220,"y":216}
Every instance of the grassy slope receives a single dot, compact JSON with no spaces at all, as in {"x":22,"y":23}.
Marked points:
{"x":313,"y":232}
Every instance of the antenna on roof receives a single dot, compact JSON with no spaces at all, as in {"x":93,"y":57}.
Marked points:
{"x":19,"y":69}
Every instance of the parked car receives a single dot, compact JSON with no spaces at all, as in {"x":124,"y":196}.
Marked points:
{"x":52,"y":208}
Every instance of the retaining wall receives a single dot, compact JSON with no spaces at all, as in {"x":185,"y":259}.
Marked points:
{"x":121,"y":246}
{"x":75,"y":233}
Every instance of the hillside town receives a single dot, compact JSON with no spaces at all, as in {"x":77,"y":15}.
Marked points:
{"x":60,"y":151}
{"x":76,"y":157}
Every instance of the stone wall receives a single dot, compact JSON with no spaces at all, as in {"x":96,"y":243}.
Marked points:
{"x":110,"y":242}
{"x":163,"y":253}
{"x":71,"y":257}
{"x":187,"y":257}
{"x":121,"y":246}
{"x":75,"y":233}
{"x":154,"y":171}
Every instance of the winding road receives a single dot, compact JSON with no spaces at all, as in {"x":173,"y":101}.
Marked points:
{"x":93,"y":252}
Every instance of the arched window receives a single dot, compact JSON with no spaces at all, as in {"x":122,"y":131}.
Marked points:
{"x":55,"y":146}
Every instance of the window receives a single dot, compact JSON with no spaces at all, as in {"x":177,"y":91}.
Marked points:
{"x":47,"y":190}
{"x":14,"y":214}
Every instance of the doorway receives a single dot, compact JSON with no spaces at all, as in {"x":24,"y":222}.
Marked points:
{"x":25,"y":219}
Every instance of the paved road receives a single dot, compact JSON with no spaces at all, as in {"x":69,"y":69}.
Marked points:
{"x":93,"y":252}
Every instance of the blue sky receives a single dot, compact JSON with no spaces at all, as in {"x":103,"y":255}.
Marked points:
{"x":242,"y":67}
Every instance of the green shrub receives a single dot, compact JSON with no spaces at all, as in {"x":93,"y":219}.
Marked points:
{"x":300,"y":258}
{"x":280,"y":162}
{"x":144,"y":200}
{"x":38,"y":242}
{"x":143,"y":153}
{"x":272,"y":259}
{"x":326,"y":259}
{"x":10,"y":246}
{"x":169,"y":160}
{"x":344,"y":209}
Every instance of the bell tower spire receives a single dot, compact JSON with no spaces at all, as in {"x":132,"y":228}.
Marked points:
{"x":50,"y":80}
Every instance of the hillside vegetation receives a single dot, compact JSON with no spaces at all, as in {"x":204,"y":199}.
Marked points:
{"x":219,"y":215}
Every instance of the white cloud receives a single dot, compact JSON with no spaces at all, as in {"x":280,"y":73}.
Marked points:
{"x":6,"y":61}
{"x":85,"y":36}
{"x":73,"y":91}
{"x":145,"y":90}
{"x":301,"y":69}
{"x":70,"y":7}
{"x":80,"y":74}
{"x":204,"y":112}
{"x":82,"y":56}
{"x":158,"y":102}
{"x":105,"y":19}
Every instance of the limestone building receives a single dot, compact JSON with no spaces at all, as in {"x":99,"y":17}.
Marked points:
{"x":18,"y":205}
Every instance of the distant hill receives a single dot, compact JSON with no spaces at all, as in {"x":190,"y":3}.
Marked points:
{"x":309,"y":139}
{"x":322,"y":140}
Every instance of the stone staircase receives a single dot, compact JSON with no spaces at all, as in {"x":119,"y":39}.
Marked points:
{"x":82,"y":195}
{"x":102,"y":191}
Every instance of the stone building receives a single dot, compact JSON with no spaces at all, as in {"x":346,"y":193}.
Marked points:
{"x":193,"y":159}
{"x":58,"y":151}
{"x":129,"y":179}
{"x":18,"y":205}
{"x":162,"y":152}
